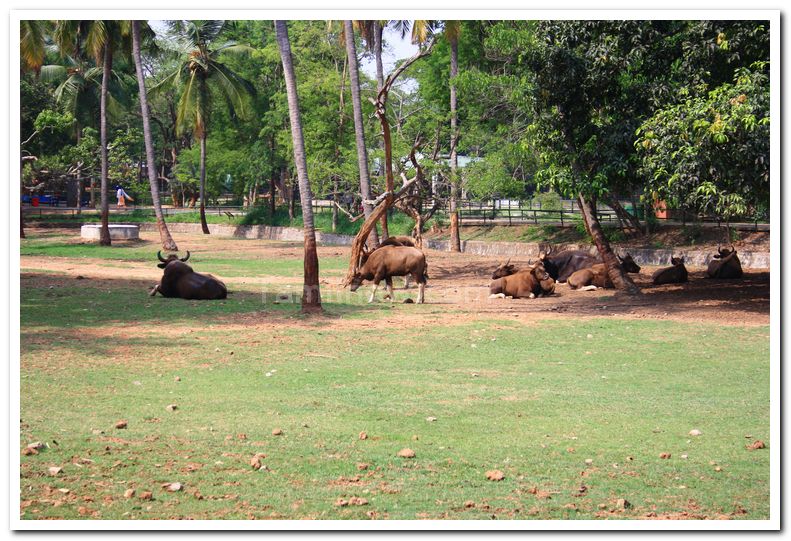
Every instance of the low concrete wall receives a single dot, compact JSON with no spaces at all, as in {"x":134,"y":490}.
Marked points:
{"x":643,"y":256}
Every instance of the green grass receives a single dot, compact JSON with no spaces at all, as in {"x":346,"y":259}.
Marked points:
{"x":534,"y":400}
{"x":225,"y":264}
{"x":633,"y":389}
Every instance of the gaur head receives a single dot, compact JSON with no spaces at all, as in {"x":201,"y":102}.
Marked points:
{"x":171,"y":257}
{"x":677,"y":260}
{"x":628,"y":263}
{"x":544,"y":279}
{"x":548,"y":264}
{"x":357,"y":280}
{"x":506,"y":269}
{"x":722,"y":253}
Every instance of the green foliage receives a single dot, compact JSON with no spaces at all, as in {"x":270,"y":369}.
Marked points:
{"x":711,"y":152}
{"x":542,"y":104}
{"x":548,"y":200}
{"x":125,"y":154}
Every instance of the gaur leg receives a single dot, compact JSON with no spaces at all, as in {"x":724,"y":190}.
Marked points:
{"x":420,"y":292}
{"x":153,"y":292}
{"x":389,"y":286}
{"x":373,"y":292}
{"x":406,"y":281}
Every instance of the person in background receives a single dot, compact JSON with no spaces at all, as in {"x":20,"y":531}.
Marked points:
{"x":122,"y":196}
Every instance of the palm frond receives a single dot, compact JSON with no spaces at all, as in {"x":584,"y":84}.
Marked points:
{"x":402,"y":27}
{"x":32,"y":44}
{"x":205,"y":31}
{"x":233,"y":48}
{"x":65,"y":36}
{"x":366,"y":30}
{"x":53,"y":73}
{"x":172,"y":80}
{"x":237,"y":90}
{"x":68,"y":92}
{"x":193,"y":106}
{"x":452,"y":30}
{"x":422,"y":30}
{"x":97,"y":37}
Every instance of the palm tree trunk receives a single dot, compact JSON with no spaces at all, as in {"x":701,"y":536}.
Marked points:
{"x":104,"y":231}
{"x":203,"y":224}
{"x":455,"y":239}
{"x":311,"y":296}
{"x":380,"y":81}
{"x":78,"y":178}
{"x":359,"y":133}
{"x":164,"y":234}
{"x":616,"y":273}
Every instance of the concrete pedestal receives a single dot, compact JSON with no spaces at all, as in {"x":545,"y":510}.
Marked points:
{"x":117,"y":231}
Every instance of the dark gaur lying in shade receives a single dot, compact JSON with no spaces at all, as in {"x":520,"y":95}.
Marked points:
{"x":677,"y":274}
{"x":726,"y":264}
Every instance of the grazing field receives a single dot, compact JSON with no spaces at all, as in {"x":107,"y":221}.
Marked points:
{"x":245,"y":409}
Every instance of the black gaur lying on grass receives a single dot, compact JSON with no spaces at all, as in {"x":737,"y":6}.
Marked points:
{"x":180,"y":281}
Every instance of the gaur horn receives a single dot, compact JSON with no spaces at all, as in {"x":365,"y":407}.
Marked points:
{"x":159,"y":256}
{"x":187,"y":257}
{"x":507,"y":262}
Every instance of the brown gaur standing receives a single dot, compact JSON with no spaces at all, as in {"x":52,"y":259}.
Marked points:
{"x":388,"y":261}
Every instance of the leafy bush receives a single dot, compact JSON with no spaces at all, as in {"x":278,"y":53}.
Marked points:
{"x":548,"y":201}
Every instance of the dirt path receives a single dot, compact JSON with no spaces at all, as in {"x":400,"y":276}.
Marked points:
{"x":458,"y":287}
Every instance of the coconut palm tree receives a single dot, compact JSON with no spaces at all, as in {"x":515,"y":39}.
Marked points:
{"x":79,"y":81}
{"x":201,"y":74}
{"x":102,"y":38}
{"x":311,"y":296}
{"x":32,"y":50}
{"x":164,"y":234}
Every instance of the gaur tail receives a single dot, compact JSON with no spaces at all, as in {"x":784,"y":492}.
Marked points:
{"x":425,"y":273}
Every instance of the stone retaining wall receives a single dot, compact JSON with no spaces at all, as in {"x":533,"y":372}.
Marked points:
{"x":643,"y":256}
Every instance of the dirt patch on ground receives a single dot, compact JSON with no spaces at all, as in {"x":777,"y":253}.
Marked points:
{"x":457,"y":290}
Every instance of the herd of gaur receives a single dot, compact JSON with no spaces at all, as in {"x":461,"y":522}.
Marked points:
{"x":401,"y":256}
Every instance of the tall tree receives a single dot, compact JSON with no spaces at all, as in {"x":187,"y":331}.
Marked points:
{"x":452,"y":29}
{"x":102,"y":37}
{"x":164,"y":234}
{"x":201,"y":75}
{"x":311,"y":296}
{"x":359,"y":130}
